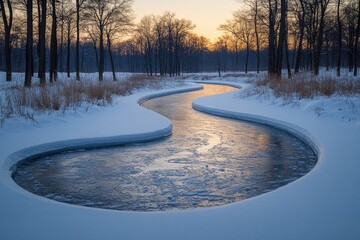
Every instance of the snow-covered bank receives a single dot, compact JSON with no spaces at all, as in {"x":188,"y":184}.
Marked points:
{"x":322,"y":205}
{"x":325,"y":204}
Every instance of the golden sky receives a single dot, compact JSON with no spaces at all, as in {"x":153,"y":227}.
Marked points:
{"x":207,"y":15}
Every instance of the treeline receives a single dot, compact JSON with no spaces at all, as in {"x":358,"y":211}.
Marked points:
{"x":315,"y":31}
{"x":38,"y":36}
{"x":45,"y":37}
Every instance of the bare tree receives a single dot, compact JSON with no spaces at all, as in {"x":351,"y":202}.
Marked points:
{"x":323,"y":7}
{"x":255,"y":10}
{"x":103,"y":13}
{"x":241,"y":26}
{"x":29,"y":43}
{"x":282,"y":38}
{"x":65,"y":12}
{"x":69,"y":32}
{"x":78,"y":5}
{"x":299,"y":9}
{"x":339,"y":28}
{"x":53,"y":44}
{"x":357,"y":35}
{"x":145,"y":32}
{"x":42,"y":41}
{"x":7,"y":17}
{"x":273,"y":6}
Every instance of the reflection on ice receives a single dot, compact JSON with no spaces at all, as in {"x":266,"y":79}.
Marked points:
{"x":208,"y":161}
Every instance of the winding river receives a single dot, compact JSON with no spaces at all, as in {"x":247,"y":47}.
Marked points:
{"x":207,"y":161}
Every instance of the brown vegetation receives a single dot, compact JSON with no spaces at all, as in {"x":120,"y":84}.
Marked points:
{"x":65,"y":95}
{"x":308,"y":86}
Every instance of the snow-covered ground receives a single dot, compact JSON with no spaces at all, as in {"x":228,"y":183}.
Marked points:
{"x":324,"y":204}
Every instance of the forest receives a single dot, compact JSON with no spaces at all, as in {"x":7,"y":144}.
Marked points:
{"x":278,"y":36}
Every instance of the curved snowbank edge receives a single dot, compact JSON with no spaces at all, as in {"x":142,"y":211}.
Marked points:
{"x":10,"y":163}
{"x":297,"y":131}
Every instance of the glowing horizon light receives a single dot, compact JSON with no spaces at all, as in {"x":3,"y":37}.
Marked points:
{"x":207,"y":15}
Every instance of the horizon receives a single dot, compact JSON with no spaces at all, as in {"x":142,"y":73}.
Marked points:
{"x":205,"y":26}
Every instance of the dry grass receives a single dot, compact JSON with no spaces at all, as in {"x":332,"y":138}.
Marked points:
{"x":64,"y":95}
{"x":308,"y":86}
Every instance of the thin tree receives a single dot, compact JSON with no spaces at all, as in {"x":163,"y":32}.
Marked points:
{"x":320,"y":35}
{"x":7,"y":17}
{"x":29,"y":43}
{"x":78,"y":4}
{"x":65,"y":9}
{"x":257,"y":37}
{"x":300,"y":14}
{"x":357,"y":35}
{"x":272,"y":15}
{"x":145,"y":32}
{"x":42,"y":40}
{"x":53,"y":44}
{"x":114,"y":30}
{"x":241,"y":27}
{"x":102,"y":13}
{"x":282,"y":38}
{"x":339,"y":28}
{"x":69,"y":31}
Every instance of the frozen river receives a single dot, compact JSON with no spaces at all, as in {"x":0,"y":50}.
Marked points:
{"x":207,"y":161}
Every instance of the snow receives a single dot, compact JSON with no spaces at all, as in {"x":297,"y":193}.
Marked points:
{"x":324,"y":204}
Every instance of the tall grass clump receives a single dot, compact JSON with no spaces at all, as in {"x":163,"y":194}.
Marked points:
{"x":306,"y":85}
{"x":18,"y":101}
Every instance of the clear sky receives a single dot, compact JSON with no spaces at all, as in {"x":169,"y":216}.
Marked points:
{"x":207,"y":15}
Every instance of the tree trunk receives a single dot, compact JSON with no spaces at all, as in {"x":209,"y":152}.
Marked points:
{"x":319,"y":42}
{"x":42,"y":56}
{"x":287,"y":55}
{"x":282,"y":37}
{"x":247,"y":58}
{"x":271,"y":47}
{"x":149,"y":57}
{"x":300,"y":46}
{"x":29,"y":42}
{"x":111,"y":57}
{"x":7,"y":29}
{"x":339,"y":39}
{"x":96,"y":54}
{"x":8,"y":55}
{"x":101,"y":54}
{"x":257,"y":37}
{"x":357,"y":41}
{"x":77,"y":55}
{"x":53,"y":45}
{"x":68,"y":50}
{"x":61,"y":50}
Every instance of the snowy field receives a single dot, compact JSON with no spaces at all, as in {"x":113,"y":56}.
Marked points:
{"x":324,"y":204}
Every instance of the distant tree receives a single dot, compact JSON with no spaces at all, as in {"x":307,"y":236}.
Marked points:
{"x":78,"y":5}
{"x":241,"y":26}
{"x":320,"y":34}
{"x":65,"y":15}
{"x":181,"y":29}
{"x":69,"y":33}
{"x":282,"y":38}
{"x":114,"y":30}
{"x":255,"y":11}
{"x":357,"y":35}
{"x":103,"y":13}
{"x":339,"y":29}
{"x":42,"y":41}
{"x":7,"y":18}
{"x":53,"y":44}
{"x":145,"y":33}
{"x":29,"y":43}
{"x":299,"y":10}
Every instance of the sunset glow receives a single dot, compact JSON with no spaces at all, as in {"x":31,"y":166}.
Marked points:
{"x":207,"y":15}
